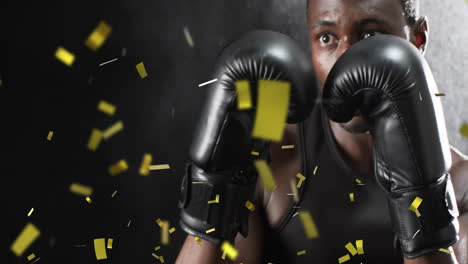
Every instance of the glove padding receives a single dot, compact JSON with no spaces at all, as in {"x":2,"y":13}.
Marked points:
{"x":221,"y":162}
{"x":388,"y":80}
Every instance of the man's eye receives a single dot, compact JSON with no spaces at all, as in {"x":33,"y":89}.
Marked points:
{"x":369,"y":34}
{"x":326,"y":39}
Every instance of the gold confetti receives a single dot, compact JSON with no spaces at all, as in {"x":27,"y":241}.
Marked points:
{"x":272,"y":109}
{"x":315,"y":169}
{"x":88,"y":199}
{"x":30,"y":212}
{"x":159,"y":222}
{"x":302,"y":252}
{"x":216,"y":200}
{"x":265,"y":174}
{"x":360,"y":247}
{"x":250,"y":206}
{"x":112,"y":130}
{"x":464,"y":130}
{"x":94,"y":139}
{"x":30,"y":257}
{"x":64,"y":56}
{"x":29,"y":234}
{"x":106,"y":108}
{"x":145,"y":164}
{"x":414,"y":206}
{"x":445,"y":250}
{"x":244,"y":99}
{"x":154,"y":255}
{"x":229,"y":249}
{"x":141,"y":70}
{"x":199,"y":241}
{"x":358,"y":181}
{"x":301,"y":179}
{"x":119,"y":167}
{"x":172,"y":230}
{"x":49,"y":136}
{"x":165,"y":233}
{"x":98,"y":36}
{"x":294,"y":190}
{"x":439,"y":94}
{"x":344,"y":258}
{"x":350,"y":247}
{"x":157,"y":248}
{"x":100,"y":248}
{"x":114,"y":193}
{"x":161,"y":259}
{"x":309,"y":225}
{"x":287,"y":146}
{"x":188,"y":37}
{"x":109,"y":243}
{"x":210,"y":230}
{"x":159,"y":167}
{"x":351,"y":197}
{"x":255,"y":153}
{"x":81,"y":189}
{"x":223,"y":256}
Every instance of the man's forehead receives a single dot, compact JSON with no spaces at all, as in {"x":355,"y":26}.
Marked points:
{"x":331,"y":7}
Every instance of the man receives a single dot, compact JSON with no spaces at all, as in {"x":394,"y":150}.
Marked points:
{"x":333,"y":155}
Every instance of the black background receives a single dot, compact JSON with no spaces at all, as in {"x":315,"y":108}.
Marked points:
{"x":39,"y":94}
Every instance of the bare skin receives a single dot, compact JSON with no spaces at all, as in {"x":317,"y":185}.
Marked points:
{"x":335,"y":25}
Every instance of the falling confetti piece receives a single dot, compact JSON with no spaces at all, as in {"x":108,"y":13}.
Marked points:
{"x":208,"y":82}
{"x":439,"y":94}
{"x":216,"y":200}
{"x":30,"y":212}
{"x":351,"y":197}
{"x":255,"y":153}
{"x":272,"y":109}
{"x":350,"y":247}
{"x":88,"y":199}
{"x":64,"y":56}
{"x":302,"y":252}
{"x":301,"y":179}
{"x":159,"y":167}
{"x":464,"y":130}
{"x":94,"y":139}
{"x":49,"y":136}
{"x":344,"y":258}
{"x":113,"y":194}
{"x":165,"y":233}
{"x":244,"y":99}
{"x":188,"y":37}
{"x":30,"y":257}
{"x":81,"y":189}
{"x":141,"y":70}
{"x":360,"y":247}
{"x":154,"y":255}
{"x":287,"y":147}
{"x":265,"y":174}
{"x":250,"y":206}
{"x":145,"y":164}
{"x":29,"y":234}
{"x":445,"y":250}
{"x":199,"y":241}
{"x":159,"y":222}
{"x":358,"y":181}
{"x":112,"y":130}
{"x":98,"y":36}
{"x":100,"y":248}
{"x":414,"y":206}
{"x":107,"y":62}
{"x":420,"y":98}
{"x":315,"y":169}
{"x":294,"y":190}
{"x":309,"y":225}
{"x":109,"y":243}
{"x":229,"y":249}
{"x":161,"y":259}
{"x":172,"y":230}
{"x":119,"y":167}
{"x":129,"y":222}
{"x":224,"y":255}
{"x":106,"y":108}
{"x":210,"y":230}
{"x":157,"y":248}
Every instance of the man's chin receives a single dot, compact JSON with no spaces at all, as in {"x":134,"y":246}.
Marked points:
{"x":357,"y":125}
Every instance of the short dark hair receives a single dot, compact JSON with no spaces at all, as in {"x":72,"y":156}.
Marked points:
{"x":410,"y":8}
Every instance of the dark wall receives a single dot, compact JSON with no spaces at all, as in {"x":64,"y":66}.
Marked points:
{"x":39,"y":94}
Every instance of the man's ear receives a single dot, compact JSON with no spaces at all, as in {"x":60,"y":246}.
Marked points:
{"x":421,"y":34}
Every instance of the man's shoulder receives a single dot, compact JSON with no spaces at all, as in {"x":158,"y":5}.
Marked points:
{"x":459,"y":173}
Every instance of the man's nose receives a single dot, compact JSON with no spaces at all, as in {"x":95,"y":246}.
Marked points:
{"x":345,"y":44}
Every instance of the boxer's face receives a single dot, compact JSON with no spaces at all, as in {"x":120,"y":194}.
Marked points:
{"x":335,"y":25}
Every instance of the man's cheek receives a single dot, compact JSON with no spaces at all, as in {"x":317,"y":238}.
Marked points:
{"x":324,"y":64}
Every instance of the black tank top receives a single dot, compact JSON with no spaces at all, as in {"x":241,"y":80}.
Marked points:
{"x":326,"y":196}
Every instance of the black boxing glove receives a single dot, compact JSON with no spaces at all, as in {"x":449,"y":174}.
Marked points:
{"x":221,"y":162}
{"x":388,"y":80}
